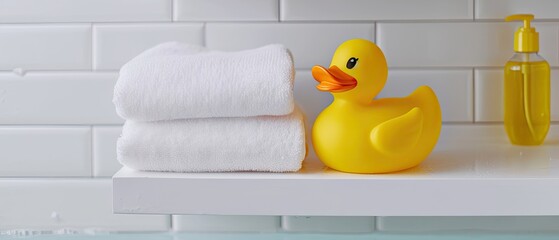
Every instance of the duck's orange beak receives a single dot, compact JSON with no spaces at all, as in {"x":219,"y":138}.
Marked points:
{"x":333,"y":79}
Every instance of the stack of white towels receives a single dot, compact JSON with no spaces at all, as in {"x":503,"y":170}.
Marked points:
{"x":189,"y":109}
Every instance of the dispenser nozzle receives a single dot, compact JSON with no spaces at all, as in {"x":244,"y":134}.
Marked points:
{"x":526,"y":39}
{"x":521,"y":17}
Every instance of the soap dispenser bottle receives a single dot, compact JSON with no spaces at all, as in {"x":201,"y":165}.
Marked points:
{"x":526,"y":87}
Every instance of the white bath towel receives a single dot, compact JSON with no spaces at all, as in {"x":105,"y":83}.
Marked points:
{"x":178,"y":81}
{"x":266,"y":143}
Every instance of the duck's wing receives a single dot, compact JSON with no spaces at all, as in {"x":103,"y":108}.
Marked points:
{"x":398,"y":135}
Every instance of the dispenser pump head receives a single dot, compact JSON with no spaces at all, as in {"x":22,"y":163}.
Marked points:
{"x":526,"y":39}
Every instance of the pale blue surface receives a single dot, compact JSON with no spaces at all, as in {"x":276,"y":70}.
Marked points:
{"x":292,"y":236}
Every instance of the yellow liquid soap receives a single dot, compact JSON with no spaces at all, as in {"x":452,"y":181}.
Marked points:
{"x":527,"y":99}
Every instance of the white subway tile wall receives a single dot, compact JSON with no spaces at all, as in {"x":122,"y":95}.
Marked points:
{"x":310,"y":101}
{"x":52,"y":151}
{"x":209,"y":223}
{"x":464,"y":44}
{"x":328,"y":224}
{"x":115,"y":44}
{"x":379,"y":10}
{"x":105,"y":163}
{"x":52,"y":204}
{"x":512,"y":223}
{"x":61,"y":97}
{"x":59,"y":60}
{"x":310,"y":43}
{"x":40,"y":11}
{"x":45,"y":47}
{"x":226,"y":10}
{"x":499,"y":9}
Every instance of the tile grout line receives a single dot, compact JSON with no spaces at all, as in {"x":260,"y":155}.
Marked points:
{"x":205,"y":34}
{"x":56,"y":125}
{"x":61,"y":71}
{"x":92,"y":155}
{"x":553,"y":122}
{"x":173,"y":19}
{"x":171,"y":220}
{"x":403,"y":21}
{"x":474,"y":95}
{"x":474,"y":11}
{"x":375,"y":38}
{"x":434,"y":68}
{"x":279,"y":11}
{"x":93,"y":48}
{"x":280,"y":227}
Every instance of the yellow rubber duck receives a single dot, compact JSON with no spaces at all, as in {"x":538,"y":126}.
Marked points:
{"x":359,"y":134}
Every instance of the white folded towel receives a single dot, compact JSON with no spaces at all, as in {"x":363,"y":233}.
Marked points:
{"x":266,"y":143}
{"x":178,"y":81}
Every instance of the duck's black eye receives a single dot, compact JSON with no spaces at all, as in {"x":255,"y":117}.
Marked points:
{"x":351,"y":62}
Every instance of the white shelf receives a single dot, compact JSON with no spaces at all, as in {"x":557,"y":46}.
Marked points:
{"x":473,"y":171}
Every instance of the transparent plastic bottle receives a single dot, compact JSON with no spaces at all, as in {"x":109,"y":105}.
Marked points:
{"x":527,"y":87}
